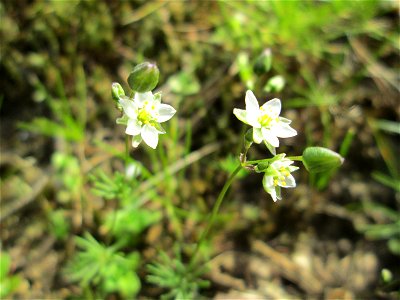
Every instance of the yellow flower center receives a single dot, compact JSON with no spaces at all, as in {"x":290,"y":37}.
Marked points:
{"x":147,"y":114}
{"x":266,"y":119}
{"x":144,"y":116}
{"x":281,"y":178}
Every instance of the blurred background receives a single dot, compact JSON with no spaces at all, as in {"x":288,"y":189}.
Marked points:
{"x":335,"y":66}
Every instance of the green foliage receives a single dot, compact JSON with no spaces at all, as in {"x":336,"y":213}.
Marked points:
{"x":103,"y":267}
{"x":383,"y":131}
{"x":184,"y":83}
{"x":59,"y":224}
{"x":8,"y":282}
{"x":388,"y":229}
{"x":182,"y":280}
{"x":128,"y":223}
{"x":110,"y":188}
{"x":69,"y":124}
{"x":68,"y":176}
{"x":230,"y":163}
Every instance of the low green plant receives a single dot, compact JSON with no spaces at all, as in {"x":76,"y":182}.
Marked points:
{"x":181,"y":279}
{"x":8,"y":282}
{"x":104,"y":267}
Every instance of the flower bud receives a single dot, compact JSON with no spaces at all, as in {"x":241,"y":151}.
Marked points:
{"x":248,"y":138}
{"x":275,"y":84}
{"x":144,"y":77}
{"x":263,"y":62}
{"x":117,"y":91}
{"x":262,"y":167}
{"x":319,"y":159}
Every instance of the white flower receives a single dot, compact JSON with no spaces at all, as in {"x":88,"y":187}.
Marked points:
{"x":143,"y":115}
{"x":277,"y":176}
{"x":265,"y":120}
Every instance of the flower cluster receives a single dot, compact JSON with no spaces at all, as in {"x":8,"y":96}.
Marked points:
{"x":143,"y":115}
{"x":268,"y":126}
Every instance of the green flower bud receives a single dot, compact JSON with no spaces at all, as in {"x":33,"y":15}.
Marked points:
{"x":144,"y":77}
{"x":319,"y":159}
{"x":275,"y":84}
{"x":248,"y":138}
{"x":262,"y":167}
{"x":387,"y":276}
{"x":263,"y":62}
{"x":117,"y":91}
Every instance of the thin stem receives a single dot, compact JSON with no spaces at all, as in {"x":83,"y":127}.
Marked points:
{"x":214,"y":212}
{"x":298,"y":158}
{"x":114,"y":213}
{"x":126,"y":151}
{"x":250,"y":162}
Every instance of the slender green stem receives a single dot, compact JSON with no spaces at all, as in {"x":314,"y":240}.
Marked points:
{"x":214,"y":212}
{"x":250,"y":162}
{"x":126,"y":151}
{"x":298,"y":158}
{"x":114,"y":213}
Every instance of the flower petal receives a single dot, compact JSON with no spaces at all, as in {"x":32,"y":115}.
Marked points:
{"x":140,"y":98}
{"x":283,"y":130}
{"x":150,"y":136}
{"x":252,"y":106}
{"x":278,"y":192}
{"x":252,"y":120}
{"x":241,"y":114}
{"x":133,"y":127}
{"x":166,"y":112}
{"x":270,"y":137}
{"x":268,"y":184}
{"x":136,"y":140}
{"x":284,"y":120}
{"x":272,"y":107}
{"x":270,"y":148}
{"x":159,"y":128}
{"x":257,"y":135}
{"x":290,"y":182}
{"x":129,"y":107}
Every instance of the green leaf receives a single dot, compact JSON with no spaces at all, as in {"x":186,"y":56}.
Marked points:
{"x":184,"y":83}
{"x":394,"y":246}
{"x":319,"y":159}
{"x":4,"y":265}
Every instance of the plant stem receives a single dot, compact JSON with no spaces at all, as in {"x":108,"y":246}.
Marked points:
{"x":298,"y":158}
{"x":214,"y":212}
{"x":126,"y":151}
{"x":250,"y":162}
{"x":114,"y":213}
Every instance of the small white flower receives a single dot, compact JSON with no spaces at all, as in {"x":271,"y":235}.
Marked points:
{"x":143,"y":115}
{"x":277,"y":176}
{"x":265,"y":120}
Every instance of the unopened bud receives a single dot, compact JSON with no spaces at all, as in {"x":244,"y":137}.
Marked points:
{"x":275,"y":84}
{"x":117,"y":91}
{"x":144,"y":77}
{"x":263,"y":62}
{"x":319,"y":159}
